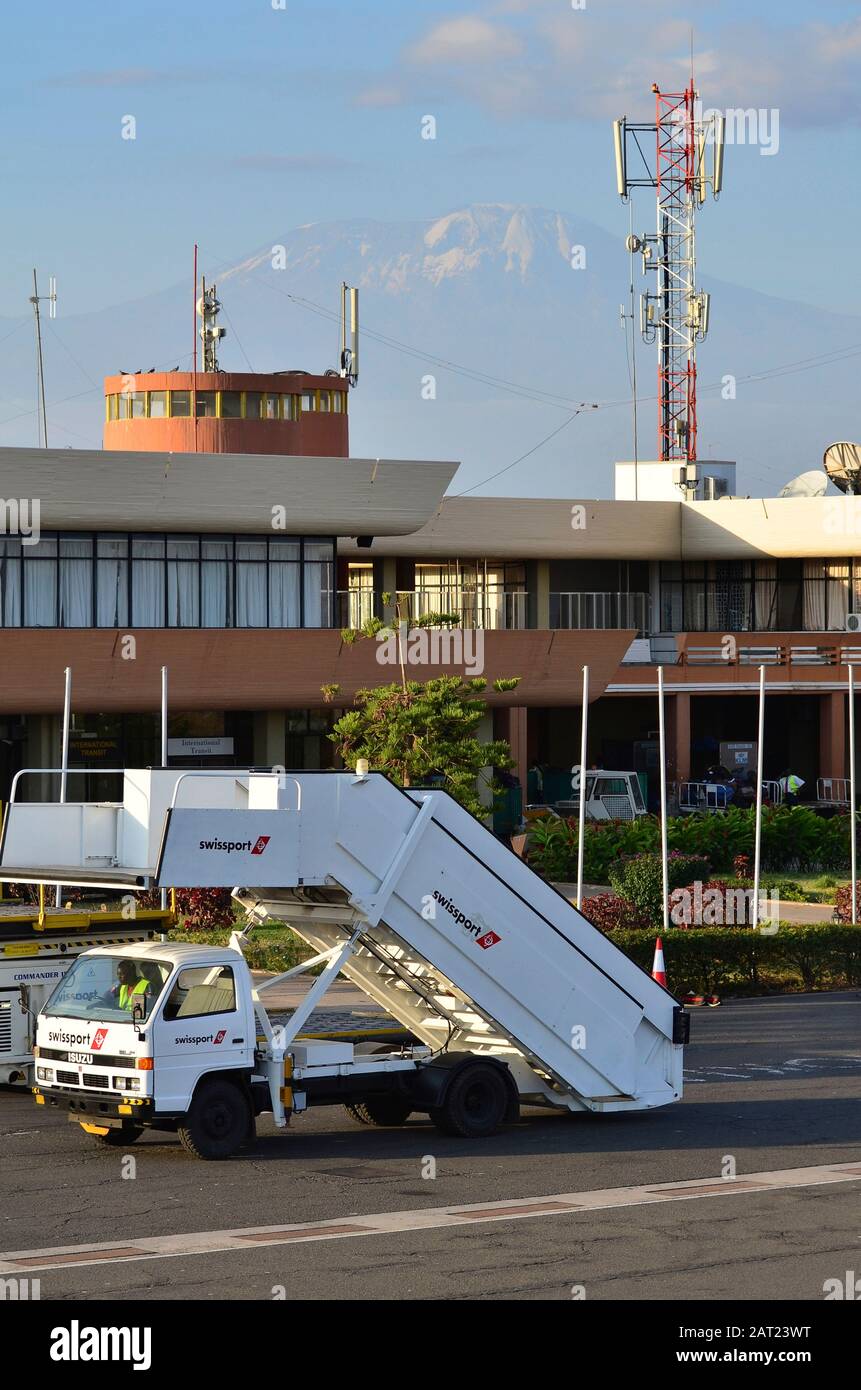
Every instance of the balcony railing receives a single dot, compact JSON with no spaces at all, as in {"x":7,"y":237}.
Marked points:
{"x":780,"y":654}
{"x":588,"y":610}
{"x":488,"y":608}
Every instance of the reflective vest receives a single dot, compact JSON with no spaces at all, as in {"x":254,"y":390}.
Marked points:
{"x":791,"y":785}
{"x":127,"y":994}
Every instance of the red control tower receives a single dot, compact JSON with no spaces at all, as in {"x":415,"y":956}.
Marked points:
{"x":216,"y":412}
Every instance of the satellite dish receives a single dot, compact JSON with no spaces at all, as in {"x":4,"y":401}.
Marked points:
{"x":809,"y":484}
{"x":842,"y":463}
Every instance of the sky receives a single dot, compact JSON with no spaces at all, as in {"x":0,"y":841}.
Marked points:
{"x":253,"y":117}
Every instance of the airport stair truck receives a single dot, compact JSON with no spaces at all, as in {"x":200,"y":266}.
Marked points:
{"x":512,"y":997}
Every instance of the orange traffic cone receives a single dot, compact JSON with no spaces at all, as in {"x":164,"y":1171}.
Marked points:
{"x":659,"y":972}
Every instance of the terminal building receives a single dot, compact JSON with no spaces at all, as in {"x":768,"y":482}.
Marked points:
{"x":225,"y":532}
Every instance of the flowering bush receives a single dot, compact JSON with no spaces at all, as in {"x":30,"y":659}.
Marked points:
{"x":609,"y":912}
{"x":202,"y":909}
{"x":843,"y":910}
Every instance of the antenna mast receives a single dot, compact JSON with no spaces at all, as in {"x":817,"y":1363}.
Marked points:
{"x":51,"y":297}
{"x":675,"y":315}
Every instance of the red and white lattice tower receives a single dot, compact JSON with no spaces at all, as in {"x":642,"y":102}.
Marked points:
{"x":675,"y":315}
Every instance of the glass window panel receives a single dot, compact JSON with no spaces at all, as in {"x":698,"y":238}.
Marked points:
{"x":338,"y":402}
{"x":157,"y":404}
{"x":325,"y":398}
{"x":138,"y":405}
{"x":113,"y":407}
{"x":206,"y":403}
{"x":282,"y":549}
{"x":148,"y":547}
{"x":231,"y":405}
{"x":269,"y":408}
{"x":124,"y":405}
{"x":284,"y":608}
{"x":10,"y":587}
{"x":148,"y":593}
{"x":217,"y":593}
{"x":252,"y":405}
{"x":182,"y":547}
{"x":289,"y":407}
{"x":76,"y":582}
{"x":307,"y":400}
{"x":217,"y":550}
{"x":250,"y":595}
{"x":112,"y":545}
{"x":180,"y":403}
{"x":317,"y":575}
{"x":183,"y":594}
{"x":43,"y":548}
{"x":112,"y":593}
{"x":40,"y":592}
{"x":250,"y":550}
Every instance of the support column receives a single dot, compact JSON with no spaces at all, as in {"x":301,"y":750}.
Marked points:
{"x":512,"y":726}
{"x":270,"y":738}
{"x":832,"y":734}
{"x":679,"y":737}
{"x":542,"y":594}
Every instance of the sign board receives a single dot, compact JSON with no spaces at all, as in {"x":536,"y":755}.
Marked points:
{"x":738,"y":755}
{"x":200,"y":748}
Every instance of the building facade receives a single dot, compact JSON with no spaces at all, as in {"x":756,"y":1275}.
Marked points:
{"x":237,"y":563}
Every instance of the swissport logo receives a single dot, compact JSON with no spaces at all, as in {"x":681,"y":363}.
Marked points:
{"x":98,"y":1038}
{"x":484,"y":939}
{"x":237,"y":846}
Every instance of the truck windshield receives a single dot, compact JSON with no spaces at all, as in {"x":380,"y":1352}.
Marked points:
{"x":106,"y":988}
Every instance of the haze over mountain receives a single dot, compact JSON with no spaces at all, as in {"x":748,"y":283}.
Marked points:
{"x":486,"y":302}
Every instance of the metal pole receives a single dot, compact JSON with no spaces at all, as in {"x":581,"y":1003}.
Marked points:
{"x":760,"y":755}
{"x":35,"y":303}
{"x":662,"y":757}
{"x":64,"y":761}
{"x":581,"y":823}
{"x":163,"y":895}
{"x":853,"y":846}
{"x":164,"y":716}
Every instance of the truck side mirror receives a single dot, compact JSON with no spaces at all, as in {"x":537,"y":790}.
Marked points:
{"x":138,"y":1009}
{"x":24,"y":999}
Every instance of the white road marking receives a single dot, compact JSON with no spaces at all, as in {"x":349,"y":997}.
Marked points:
{"x":422,"y":1219}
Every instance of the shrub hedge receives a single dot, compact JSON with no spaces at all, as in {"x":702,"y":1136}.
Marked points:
{"x":794,"y":839}
{"x":732,"y":960}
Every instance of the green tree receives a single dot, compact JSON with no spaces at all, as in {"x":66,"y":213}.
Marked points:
{"x":422,"y":732}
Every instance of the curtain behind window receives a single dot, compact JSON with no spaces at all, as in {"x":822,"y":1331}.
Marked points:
{"x":76,"y":583}
{"x":814,"y":597}
{"x":765,"y":595}
{"x":10,"y":581}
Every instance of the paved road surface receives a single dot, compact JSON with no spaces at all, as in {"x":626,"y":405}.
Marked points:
{"x":773,"y":1086}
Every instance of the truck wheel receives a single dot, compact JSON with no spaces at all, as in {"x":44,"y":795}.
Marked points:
{"x":114,"y":1138}
{"x":380,"y":1110}
{"x":218,"y":1123}
{"x":475,"y":1105}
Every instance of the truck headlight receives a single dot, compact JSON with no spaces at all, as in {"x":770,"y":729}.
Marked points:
{"x":44,"y":1074}
{"x":127,"y":1083}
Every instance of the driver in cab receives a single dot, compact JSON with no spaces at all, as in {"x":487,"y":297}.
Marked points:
{"x":130,"y":986}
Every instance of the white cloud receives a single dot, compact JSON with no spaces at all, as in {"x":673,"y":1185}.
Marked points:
{"x":466,"y":40}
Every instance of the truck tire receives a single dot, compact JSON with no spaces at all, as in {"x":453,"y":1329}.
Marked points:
{"x":115,"y":1138}
{"x":218,"y":1123}
{"x":384,"y":1111}
{"x":476,"y":1103}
